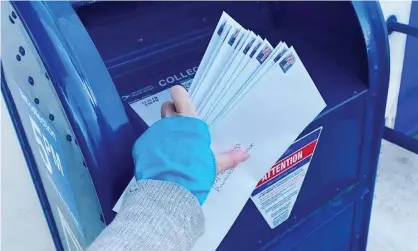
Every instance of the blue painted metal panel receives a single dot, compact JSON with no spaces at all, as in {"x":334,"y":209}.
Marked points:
{"x":406,"y":115}
{"x":101,"y":54}
{"x":50,"y":146}
{"x":401,"y":139}
{"x":87,"y":94}
{"x":34,"y":173}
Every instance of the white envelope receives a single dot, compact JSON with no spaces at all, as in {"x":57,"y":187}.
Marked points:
{"x":250,"y":49}
{"x":267,"y":120}
{"x":216,"y":39}
{"x":280,"y":50}
{"x":227,"y":73}
{"x":201,"y":72}
{"x":257,"y":57}
{"x":224,"y":53}
{"x":236,"y":46}
{"x":232,"y":73}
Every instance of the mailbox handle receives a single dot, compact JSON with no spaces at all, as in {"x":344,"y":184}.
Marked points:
{"x":393,"y":25}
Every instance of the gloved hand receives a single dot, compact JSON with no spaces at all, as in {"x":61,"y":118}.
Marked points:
{"x":177,"y":149}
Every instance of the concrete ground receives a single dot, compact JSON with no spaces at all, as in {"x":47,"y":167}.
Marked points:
{"x":23,"y":226}
{"x":394,"y":224}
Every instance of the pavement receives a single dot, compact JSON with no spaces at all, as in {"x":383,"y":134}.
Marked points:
{"x":394,"y":221}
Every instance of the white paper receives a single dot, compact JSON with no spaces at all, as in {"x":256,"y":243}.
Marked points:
{"x":212,"y":92}
{"x":280,"y":50}
{"x":223,"y":97}
{"x":216,"y":39}
{"x":253,"y":65}
{"x":247,"y":73}
{"x":224,"y":53}
{"x":227,"y":74}
{"x":201,"y":72}
{"x":268,"y":119}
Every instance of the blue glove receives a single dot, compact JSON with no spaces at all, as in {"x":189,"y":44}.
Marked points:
{"x":177,"y":149}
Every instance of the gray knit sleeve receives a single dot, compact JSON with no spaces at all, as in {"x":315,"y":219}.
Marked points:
{"x":156,"y":215}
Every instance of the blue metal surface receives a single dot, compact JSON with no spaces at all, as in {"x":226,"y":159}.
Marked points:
{"x":87,"y":93}
{"x":406,"y":115}
{"x":103,"y":53}
{"x":53,"y":152}
{"x":377,"y":45}
{"x":394,"y":26}
{"x":401,"y":139}
{"x":34,"y":173}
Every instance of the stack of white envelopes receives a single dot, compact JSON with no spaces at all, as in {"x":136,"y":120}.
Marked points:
{"x":234,"y":62}
{"x":253,"y":96}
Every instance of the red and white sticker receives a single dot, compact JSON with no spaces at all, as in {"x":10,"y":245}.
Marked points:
{"x":276,"y":193}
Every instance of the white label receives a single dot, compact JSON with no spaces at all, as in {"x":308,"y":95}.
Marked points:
{"x":149,"y":108}
{"x":276,"y":193}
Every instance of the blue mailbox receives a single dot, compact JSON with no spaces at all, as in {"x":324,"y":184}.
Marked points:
{"x":70,"y":71}
{"x":406,"y":119}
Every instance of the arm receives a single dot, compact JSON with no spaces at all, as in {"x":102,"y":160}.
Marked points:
{"x":175,"y":170}
{"x":156,"y":215}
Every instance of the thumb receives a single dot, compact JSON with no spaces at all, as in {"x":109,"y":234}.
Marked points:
{"x":230,"y":159}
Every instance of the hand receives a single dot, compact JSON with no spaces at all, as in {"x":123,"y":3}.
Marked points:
{"x":177,"y":149}
{"x":182,"y":106}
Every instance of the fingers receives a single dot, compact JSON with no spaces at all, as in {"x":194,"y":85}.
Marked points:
{"x":168,"y":109}
{"x":182,"y":102}
{"x":230,"y":159}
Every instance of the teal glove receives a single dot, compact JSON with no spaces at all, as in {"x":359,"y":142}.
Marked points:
{"x":177,"y":149}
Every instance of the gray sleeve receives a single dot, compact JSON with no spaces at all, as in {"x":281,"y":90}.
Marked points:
{"x":155,"y":215}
